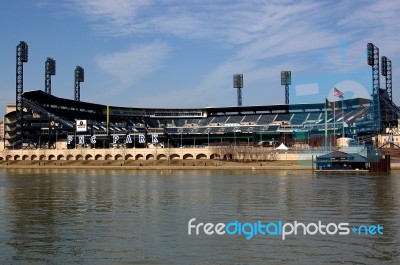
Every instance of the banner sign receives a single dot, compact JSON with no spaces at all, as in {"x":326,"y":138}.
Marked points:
{"x":81,"y":125}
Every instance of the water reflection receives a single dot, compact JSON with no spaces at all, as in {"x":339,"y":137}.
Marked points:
{"x":140,"y":217}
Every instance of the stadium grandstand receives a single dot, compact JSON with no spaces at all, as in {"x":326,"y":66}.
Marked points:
{"x":48,"y":119}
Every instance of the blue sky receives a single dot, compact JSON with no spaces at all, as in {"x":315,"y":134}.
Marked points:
{"x":184,"y":53}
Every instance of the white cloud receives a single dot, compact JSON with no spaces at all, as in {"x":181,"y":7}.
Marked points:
{"x":234,"y":22}
{"x":261,"y":29}
{"x":112,"y":17}
{"x":259,"y":35}
{"x":135,"y":63}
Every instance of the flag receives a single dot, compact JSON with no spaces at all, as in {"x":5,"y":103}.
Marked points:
{"x":338,"y":93}
{"x":328,"y":104}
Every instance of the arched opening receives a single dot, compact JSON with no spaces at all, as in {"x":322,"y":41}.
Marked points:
{"x":162,"y":157}
{"x":228,"y":156}
{"x":17,"y":157}
{"x":214,"y":156}
{"x":201,"y":156}
{"x":129,"y":157}
{"x":88,"y":157}
{"x":187,"y":156}
{"x":139,"y":157}
{"x":108,"y":157}
{"x":25,"y":157}
{"x":98,"y":157}
{"x":52,"y":157}
{"x":118,"y":157}
{"x":42,"y":157}
{"x":8,"y":157}
{"x":150,"y":157}
{"x":34,"y":157}
{"x":79,"y":157}
{"x":174,"y":156}
{"x":60,"y":157}
{"x":70,"y":157}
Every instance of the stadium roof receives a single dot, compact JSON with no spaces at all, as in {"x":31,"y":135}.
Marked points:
{"x":44,"y":99}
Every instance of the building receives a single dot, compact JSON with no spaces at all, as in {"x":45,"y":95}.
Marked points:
{"x":49,"y":121}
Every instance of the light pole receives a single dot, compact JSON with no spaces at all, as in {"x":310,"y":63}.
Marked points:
{"x":169,"y":153}
{"x":238,"y":84}
{"x":181,"y":137}
{"x":56,"y":138}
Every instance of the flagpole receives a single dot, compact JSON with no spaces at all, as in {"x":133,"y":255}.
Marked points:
{"x":326,"y":123}
{"x":339,"y":94}
{"x":343,"y":117}
{"x":334,"y":121}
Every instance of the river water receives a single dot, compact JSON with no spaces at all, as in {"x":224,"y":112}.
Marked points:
{"x":142,"y":217}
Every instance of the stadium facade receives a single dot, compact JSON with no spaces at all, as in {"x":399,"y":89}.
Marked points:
{"x":48,"y":119}
{"x":41,"y":121}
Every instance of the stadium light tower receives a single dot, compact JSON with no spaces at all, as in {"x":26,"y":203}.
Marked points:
{"x":50,"y":69}
{"x":238,"y":83}
{"x":373,"y":61}
{"x":387,"y":72}
{"x":79,"y":77}
{"x":22,"y":57}
{"x":286,"y":80}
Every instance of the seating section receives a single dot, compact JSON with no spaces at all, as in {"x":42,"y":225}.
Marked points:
{"x":298,"y":118}
{"x":314,"y":116}
{"x":266,"y":119}
{"x":220,"y":120}
{"x":235,"y":119}
{"x":250,"y":119}
{"x":283,"y":117}
{"x":229,"y":124}
{"x":249,"y":123}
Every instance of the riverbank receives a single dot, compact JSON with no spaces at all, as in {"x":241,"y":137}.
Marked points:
{"x":160,"y":164}
{"x":166,"y":165}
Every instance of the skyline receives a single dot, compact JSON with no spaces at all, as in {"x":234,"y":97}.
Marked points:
{"x":172,"y":54}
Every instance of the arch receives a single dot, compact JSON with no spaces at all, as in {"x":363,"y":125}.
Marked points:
{"x":17,"y":157}
{"x":34,"y":157}
{"x":187,"y":156}
{"x":88,"y":157}
{"x":228,"y":156}
{"x":98,"y":157}
{"x":150,"y":157}
{"x":174,"y":156}
{"x":79,"y":157}
{"x":1,"y":158}
{"x":118,"y":157}
{"x":161,"y":157}
{"x":201,"y":156}
{"x":139,"y":157}
{"x":42,"y":157}
{"x":8,"y":157}
{"x":70,"y":157}
{"x":129,"y":157}
{"x":25,"y":157}
{"x":108,"y":157}
{"x":215,"y":156}
{"x":51,"y":157}
{"x":60,"y":157}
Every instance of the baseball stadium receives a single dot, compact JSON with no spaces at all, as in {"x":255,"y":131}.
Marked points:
{"x":41,"y":126}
